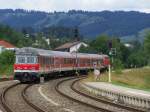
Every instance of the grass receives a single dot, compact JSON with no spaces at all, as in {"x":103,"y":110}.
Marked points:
{"x":135,"y":78}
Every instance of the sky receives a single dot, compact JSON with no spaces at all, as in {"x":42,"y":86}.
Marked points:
{"x":88,"y":5}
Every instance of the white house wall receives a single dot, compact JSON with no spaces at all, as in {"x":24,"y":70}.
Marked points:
{"x":1,"y":49}
{"x":77,"y":47}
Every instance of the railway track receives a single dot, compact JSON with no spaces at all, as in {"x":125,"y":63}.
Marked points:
{"x":23,"y":93}
{"x":76,"y":100}
{"x":99,"y":108}
{"x":102,"y":100}
{"x":6,"y":104}
{"x":3,"y":100}
{"x":28,"y":101}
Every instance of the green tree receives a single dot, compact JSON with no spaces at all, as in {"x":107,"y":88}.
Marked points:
{"x":147,"y":46}
{"x":14,"y":37}
{"x":7,"y":57}
{"x":137,"y":59}
{"x":118,"y":66}
{"x":41,"y":42}
{"x":100,"y":44}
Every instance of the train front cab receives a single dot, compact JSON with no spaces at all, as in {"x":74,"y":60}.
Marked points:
{"x":26,"y":68}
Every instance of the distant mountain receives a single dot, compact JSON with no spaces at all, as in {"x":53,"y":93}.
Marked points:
{"x":91,"y":24}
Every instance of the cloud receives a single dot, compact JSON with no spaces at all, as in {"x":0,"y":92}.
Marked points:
{"x":65,"y":5}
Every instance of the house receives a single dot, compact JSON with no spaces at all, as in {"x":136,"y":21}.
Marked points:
{"x":4,"y":45}
{"x":71,"y":46}
{"x":2,"y":49}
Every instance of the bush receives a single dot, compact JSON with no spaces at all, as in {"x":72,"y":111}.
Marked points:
{"x":118,"y":66}
{"x":7,"y":59}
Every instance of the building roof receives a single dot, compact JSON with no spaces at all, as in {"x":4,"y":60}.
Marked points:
{"x":6,"y":44}
{"x":67,"y":45}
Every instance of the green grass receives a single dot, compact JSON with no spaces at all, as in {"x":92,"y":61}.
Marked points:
{"x":135,"y":78}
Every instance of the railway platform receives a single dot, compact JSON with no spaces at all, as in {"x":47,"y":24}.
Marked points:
{"x":119,"y":94}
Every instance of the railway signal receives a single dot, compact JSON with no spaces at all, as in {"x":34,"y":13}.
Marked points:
{"x":109,"y":73}
{"x":110,"y":44}
{"x":112,"y":53}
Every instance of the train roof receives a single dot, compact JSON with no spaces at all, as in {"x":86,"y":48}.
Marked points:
{"x":36,"y":51}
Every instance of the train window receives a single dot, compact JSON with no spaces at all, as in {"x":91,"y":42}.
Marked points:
{"x":65,"y":61}
{"x":38,"y":60}
{"x":21,"y":59}
{"x":51,"y":61}
{"x":74,"y":61}
{"x":31,"y":59}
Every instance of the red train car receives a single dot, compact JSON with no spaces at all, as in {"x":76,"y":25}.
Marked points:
{"x":31,"y":63}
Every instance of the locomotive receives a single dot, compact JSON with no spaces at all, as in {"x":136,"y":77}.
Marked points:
{"x":31,"y":63}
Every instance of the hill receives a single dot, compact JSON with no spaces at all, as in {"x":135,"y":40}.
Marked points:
{"x":91,"y":24}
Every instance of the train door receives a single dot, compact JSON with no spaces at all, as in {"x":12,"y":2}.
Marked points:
{"x":57,"y":63}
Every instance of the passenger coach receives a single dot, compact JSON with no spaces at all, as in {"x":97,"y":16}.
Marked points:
{"x":31,"y":63}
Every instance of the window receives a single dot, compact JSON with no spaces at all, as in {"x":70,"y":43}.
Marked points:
{"x":51,"y":60}
{"x":21,"y":59}
{"x":30,"y":60}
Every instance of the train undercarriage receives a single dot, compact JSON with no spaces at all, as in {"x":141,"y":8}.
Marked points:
{"x":25,"y":77}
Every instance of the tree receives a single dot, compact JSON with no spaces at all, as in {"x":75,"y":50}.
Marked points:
{"x":41,"y":42}
{"x":118,"y":65}
{"x":136,"y":59}
{"x":147,"y":44}
{"x":100,"y":45}
{"x":7,"y":58}
{"x":14,"y":37}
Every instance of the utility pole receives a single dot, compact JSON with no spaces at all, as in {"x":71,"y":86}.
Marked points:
{"x":76,"y":62}
{"x":112,"y":53}
{"x":76,"y":35}
{"x":109,"y":67}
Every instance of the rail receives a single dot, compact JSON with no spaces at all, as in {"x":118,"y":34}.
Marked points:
{"x":76,"y":100}
{"x":102,"y":100}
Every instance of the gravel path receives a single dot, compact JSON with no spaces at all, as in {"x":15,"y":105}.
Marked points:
{"x":53,"y":101}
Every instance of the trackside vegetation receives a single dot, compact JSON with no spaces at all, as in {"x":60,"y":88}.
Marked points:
{"x":6,"y":63}
{"x":132,"y":78}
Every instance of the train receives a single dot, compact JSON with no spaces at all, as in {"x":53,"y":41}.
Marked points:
{"x":32,"y":63}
